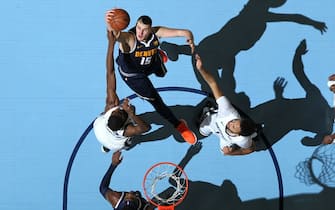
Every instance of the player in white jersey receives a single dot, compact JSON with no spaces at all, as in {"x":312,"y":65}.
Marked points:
{"x":328,"y":139}
{"x":114,"y":128}
{"x":234,"y":132}
{"x":119,"y":123}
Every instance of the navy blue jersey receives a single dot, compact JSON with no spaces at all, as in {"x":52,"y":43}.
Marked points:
{"x":143,"y":58}
{"x":135,"y":67}
{"x":139,"y":204}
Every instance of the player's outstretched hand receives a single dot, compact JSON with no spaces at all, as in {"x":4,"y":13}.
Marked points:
{"x":126,"y":106}
{"x":110,"y":36}
{"x":108,"y":17}
{"x":328,"y":139}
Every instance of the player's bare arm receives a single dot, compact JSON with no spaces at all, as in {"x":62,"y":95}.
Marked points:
{"x":108,"y":193}
{"x":140,"y":125}
{"x":125,"y":39}
{"x":208,"y":78}
{"x":166,"y":32}
{"x":111,"y":99}
{"x":238,"y":150}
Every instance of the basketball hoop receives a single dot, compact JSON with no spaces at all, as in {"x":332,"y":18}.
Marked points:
{"x":165,"y":185}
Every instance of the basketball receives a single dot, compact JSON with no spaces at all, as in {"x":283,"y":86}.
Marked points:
{"x":120,"y":19}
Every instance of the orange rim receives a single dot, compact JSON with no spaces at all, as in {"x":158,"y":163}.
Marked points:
{"x":170,"y":207}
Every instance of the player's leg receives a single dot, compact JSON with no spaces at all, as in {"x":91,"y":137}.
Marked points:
{"x":180,"y":125}
{"x":159,"y":68}
{"x":143,"y":87}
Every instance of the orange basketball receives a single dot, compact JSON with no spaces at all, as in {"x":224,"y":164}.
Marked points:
{"x":120,"y":19}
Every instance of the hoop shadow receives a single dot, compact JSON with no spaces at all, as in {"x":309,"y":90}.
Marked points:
{"x":204,"y":195}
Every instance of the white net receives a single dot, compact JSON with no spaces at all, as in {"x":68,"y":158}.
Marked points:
{"x":165,"y":184}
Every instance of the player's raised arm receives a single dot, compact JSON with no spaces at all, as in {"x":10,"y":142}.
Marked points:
{"x":162,"y":31}
{"x":125,"y":39}
{"x":108,"y":193}
{"x":217,"y":92}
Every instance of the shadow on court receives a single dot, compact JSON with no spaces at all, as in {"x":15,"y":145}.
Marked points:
{"x":219,"y":50}
{"x":203,"y":195}
{"x":242,"y":32}
{"x":277,"y":116}
{"x":309,"y":113}
{"x":187,"y":112}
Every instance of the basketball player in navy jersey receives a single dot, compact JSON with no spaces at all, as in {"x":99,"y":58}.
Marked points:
{"x":138,"y":58}
{"x":121,"y":200}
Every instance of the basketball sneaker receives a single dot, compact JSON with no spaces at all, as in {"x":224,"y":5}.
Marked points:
{"x":186,"y":133}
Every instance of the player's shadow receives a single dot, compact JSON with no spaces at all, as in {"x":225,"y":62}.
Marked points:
{"x":281,"y":115}
{"x":203,"y":195}
{"x":218,"y":50}
{"x":164,"y":130}
{"x":278,"y":116}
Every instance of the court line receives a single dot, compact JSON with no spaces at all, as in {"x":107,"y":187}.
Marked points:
{"x":162,"y":89}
